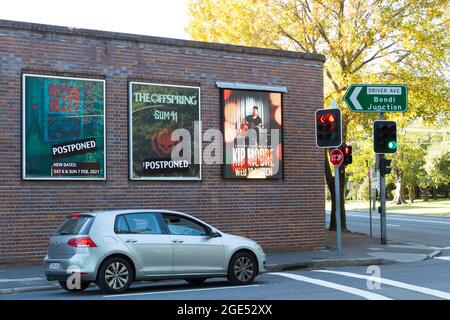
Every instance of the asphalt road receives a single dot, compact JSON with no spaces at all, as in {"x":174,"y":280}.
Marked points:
{"x":430,"y":231}
{"x":428,"y":279}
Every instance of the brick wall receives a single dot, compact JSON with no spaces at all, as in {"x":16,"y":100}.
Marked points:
{"x":281,"y":214}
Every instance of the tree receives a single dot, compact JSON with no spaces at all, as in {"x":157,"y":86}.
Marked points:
{"x":376,"y":41}
{"x":437,"y":164}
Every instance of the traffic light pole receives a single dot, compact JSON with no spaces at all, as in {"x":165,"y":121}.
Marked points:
{"x":382,"y":195}
{"x":338,"y":211}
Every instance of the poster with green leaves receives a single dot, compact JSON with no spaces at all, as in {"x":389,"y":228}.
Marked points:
{"x":164,"y":132}
{"x":63,"y":128}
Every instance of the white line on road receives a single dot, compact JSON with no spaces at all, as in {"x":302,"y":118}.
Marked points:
{"x":21,"y":279}
{"x":398,"y":284}
{"x":443,"y":258}
{"x":440,"y":248}
{"x":179,"y":291}
{"x":400,"y":219}
{"x":392,"y":225}
{"x":362,"y":293}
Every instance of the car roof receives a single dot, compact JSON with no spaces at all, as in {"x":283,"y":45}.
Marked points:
{"x":124,"y":211}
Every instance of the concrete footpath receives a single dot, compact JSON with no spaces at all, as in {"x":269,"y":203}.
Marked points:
{"x":358,"y":249}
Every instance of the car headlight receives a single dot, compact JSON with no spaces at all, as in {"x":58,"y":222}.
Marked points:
{"x":258,"y":247}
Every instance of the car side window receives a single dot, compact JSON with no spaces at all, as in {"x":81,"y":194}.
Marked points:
{"x":121,"y":225}
{"x":143,"y":223}
{"x":180,"y":226}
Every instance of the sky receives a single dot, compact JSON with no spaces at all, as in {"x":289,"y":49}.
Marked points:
{"x":163,"y":18}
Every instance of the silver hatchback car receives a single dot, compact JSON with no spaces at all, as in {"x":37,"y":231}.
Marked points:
{"x":115,"y":248}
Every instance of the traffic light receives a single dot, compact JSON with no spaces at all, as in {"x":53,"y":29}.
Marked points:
{"x":385,"y":136}
{"x":328,"y":128}
{"x":385,"y":166}
{"x":347,"y":150}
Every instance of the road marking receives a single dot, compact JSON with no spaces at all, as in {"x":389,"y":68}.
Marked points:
{"x":21,"y":279}
{"x":443,"y":258}
{"x":400,"y":219}
{"x":428,"y":291}
{"x":440,"y":248}
{"x":362,"y":293}
{"x":178,"y":291}
{"x":392,"y":225}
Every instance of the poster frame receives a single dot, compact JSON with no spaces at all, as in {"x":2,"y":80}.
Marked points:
{"x":281,"y":91}
{"x":130,"y":134}
{"x":23,"y":146}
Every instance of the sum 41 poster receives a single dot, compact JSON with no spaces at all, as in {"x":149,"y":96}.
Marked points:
{"x":157,"y":114}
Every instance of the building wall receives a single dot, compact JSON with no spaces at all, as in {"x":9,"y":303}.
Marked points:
{"x":283,"y":214}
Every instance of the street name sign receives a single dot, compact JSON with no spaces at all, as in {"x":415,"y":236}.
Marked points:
{"x":377,"y":98}
{"x":336,"y":157}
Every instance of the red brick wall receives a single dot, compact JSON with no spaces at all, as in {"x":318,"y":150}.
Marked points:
{"x":283,"y":214}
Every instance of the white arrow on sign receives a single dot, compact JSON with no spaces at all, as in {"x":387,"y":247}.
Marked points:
{"x":353,"y":97}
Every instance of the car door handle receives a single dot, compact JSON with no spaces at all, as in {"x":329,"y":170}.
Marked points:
{"x":130,"y":241}
{"x":177,"y":241}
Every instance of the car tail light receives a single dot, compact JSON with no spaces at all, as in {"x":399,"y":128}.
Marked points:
{"x":81,"y":242}
{"x":75,"y":216}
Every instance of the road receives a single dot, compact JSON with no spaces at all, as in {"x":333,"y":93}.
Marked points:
{"x":428,"y":279}
{"x":430,"y":231}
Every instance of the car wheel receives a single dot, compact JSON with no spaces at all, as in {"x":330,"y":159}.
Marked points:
{"x":115,"y":275}
{"x":83,"y":285}
{"x":195,"y":281}
{"x":242,"y":268}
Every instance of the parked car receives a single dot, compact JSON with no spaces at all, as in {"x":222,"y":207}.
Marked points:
{"x":116,"y":248}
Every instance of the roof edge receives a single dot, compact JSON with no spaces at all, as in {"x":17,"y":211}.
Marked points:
{"x":38,"y":27}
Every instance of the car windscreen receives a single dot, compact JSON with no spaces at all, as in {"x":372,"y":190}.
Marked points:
{"x":77,"y":225}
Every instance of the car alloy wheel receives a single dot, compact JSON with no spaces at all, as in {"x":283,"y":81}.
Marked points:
{"x":242,"y":268}
{"x":117,"y":275}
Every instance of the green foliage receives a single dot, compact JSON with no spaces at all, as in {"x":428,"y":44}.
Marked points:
{"x":377,"y":41}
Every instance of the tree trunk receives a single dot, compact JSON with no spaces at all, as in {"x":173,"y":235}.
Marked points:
{"x":448,"y":191}
{"x":399,"y":197}
{"x":342,"y":183}
{"x":330,"y":183}
{"x":411,"y":193}
{"x":434,"y":193}
{"x":425,"y":194}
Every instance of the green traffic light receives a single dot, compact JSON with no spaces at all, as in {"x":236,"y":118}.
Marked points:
{"x":392,"y":145}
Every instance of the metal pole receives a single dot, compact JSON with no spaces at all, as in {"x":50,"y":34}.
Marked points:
{"x":338,"y":201}
{"x":382,"y":197}
{"x":370,"y":197}
{"x":338,"y":211}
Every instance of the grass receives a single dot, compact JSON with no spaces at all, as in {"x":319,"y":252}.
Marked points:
{"x":419,"y":207}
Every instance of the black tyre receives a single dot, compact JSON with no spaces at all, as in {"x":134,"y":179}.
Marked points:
{"x":195,"y":281}
{"x":115,"y":275}
{"x":83,"y":286}
{"x":242,"y":269}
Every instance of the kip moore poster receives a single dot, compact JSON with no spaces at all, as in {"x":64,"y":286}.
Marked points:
{"x":63,"y":128}
{"x":156,"y":111}
{"x":252,"y":134}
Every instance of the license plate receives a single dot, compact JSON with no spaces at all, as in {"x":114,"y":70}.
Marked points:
{"x":54,"y":266}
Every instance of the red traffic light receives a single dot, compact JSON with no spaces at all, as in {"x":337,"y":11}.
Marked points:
{"x":326,"y":118}
{"x":348,"y":150}
{"x":328,"y":128}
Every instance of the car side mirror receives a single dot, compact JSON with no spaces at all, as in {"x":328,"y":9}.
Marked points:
{"x":213,"y":234}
